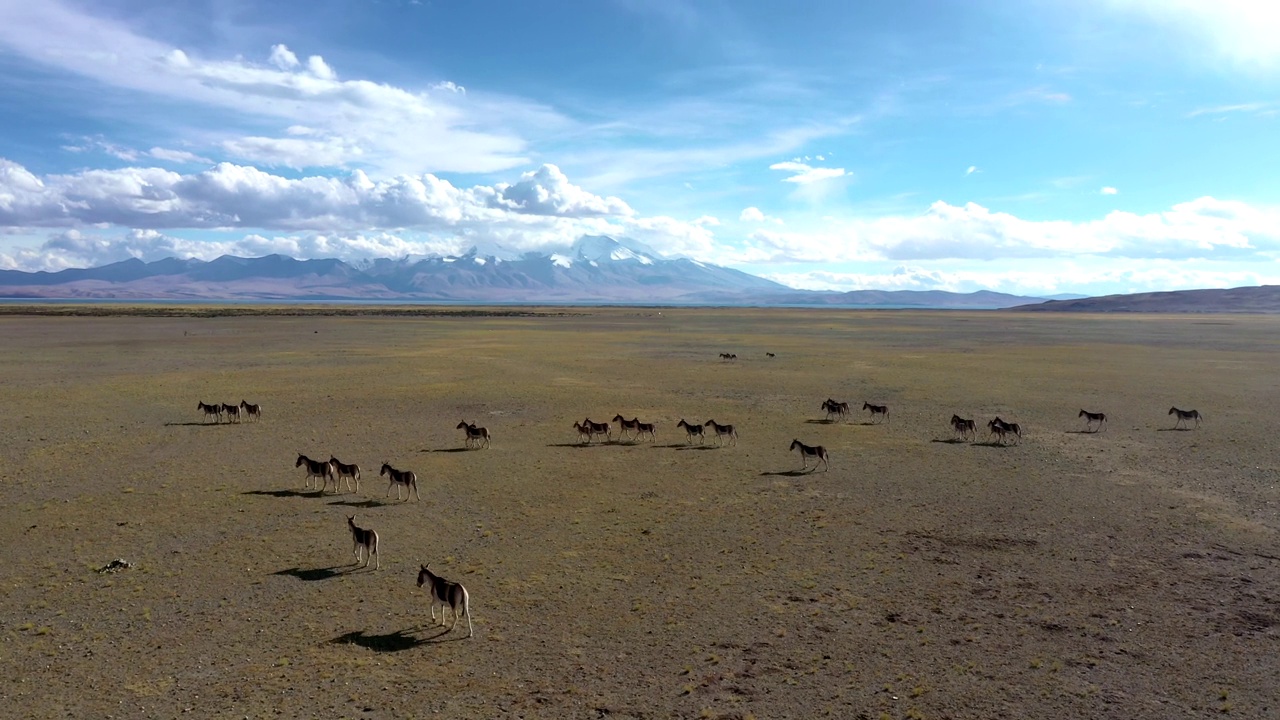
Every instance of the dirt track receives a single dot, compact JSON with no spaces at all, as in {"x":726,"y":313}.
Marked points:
{"x":1130,"y":573}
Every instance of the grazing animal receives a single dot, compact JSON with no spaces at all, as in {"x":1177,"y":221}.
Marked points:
{"x":722,"y":432}
{"x":690,"y":431}
{"x":625,"y":425}
{"x":649,"y":429}
{"x":362,"y":538}
{"x":251,"y":410}
{"x":347,"y":472}
{"x":817,"y":452}
{"x":215,"y":410}
{"x":400,"y":478}
{"x":445,"y":592}
{"x":1090,"y":418}
{"x":232,"y":411}
{"x":835,"y":408}
{"x":877,"y":410}
{"x":318,"y":469}
{"x":1186,"y":416}
{"x":475,"y":435}
{"x":596,"y":428}
{"x":964,"y":428}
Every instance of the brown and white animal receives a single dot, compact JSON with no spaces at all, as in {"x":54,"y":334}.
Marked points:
{"x":232,"y":411}
{"x":584,"y":432}
{"x":649,"y":429}
{"x":1091,"y":417}
{"x":475,"y":435}
{"x":346,"y":472}
{"x":215,"y":410}
{"x":690,"y":431}
{"x":625,"y":426}
{"x":877,"y":410}
{"x":817,"y":452}
{"x":400,"y":478}
{"x":1186,"y":416}
{"x":444,"y":592}
{"x":1001,"y":429}
{"x":722,"y":432}
{"x":596,"y":428}
{"x":250,"y":410}
{"x":964,"y":428}
{"x":365,"y":539}
{"x":318,"y":469}
{"x":832,"y":407}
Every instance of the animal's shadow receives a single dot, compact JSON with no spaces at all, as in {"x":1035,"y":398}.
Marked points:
{"x":580,"y":445}
{"x":991,"y":444}
{"x":1175,"y":429}
{"x":286,"y":493}
{"x":1082,"y":432}
{"x":315,"y":574}
{"x":788,"y":473}
{"x":196,"y":424}
{"x":950,"y":441}
{"x":699,"y":447}
{"x":452,"y":450}
{"x":816,"y":421}
{"x":366,"y":504}
{"x":397,"y":641}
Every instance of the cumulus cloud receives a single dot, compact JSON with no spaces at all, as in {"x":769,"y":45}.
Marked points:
{"x":1108,"y":190}
{"x":755,"y":215}
{"x":546,"y":191}
{"x":804,"y":174}
{"x":283,"y":58}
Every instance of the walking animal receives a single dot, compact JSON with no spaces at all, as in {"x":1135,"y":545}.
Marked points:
{"x":215,"y":410}
{"x":365,"y":539}
{"x":475,"y":435}
{"x":251,"y":410}
{"x":596,"y":428}
{"x":1091,"y":417}
{"x":318,"y":469}
{"x":832,"y":407}
{"x":817,"y":452}
{"x":444,"y":592}
{"x":690,"y":431}
{"x":346,"y":472}
{"x":1186,"y":416}
{"x":964,"y":428}
{"x":400,"y":478}
{"x":722,"y":432}
{"x":625,"y":425}
{"x":232,"y":411}
{"x":877,"y":410}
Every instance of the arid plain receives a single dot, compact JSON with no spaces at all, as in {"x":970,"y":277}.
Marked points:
{"x":1128,"y":573}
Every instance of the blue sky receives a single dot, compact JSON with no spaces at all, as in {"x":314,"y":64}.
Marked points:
{"x":1037,"y":147}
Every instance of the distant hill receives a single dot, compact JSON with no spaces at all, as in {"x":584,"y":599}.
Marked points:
{"x":1258,"y":299}
{"x":595,"y":269}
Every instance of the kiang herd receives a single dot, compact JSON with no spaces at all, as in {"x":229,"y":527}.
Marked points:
{"x":319,"y":473}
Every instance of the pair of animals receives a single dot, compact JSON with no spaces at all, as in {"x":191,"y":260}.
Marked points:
{"x":333,"y":469}
{"x":443,"y":592}
{"x":842,"y":409}
{"x":232,"y":411}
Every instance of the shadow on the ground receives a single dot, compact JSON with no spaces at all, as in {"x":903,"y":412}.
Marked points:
{"x":1082,"y":432}
{"x":315,"y":574}
{"x":286,"y":493}
{"x":697,"y":447}
{"x":816,"y":421}
{"x":949,"y":441}
{"x":452,"y":449}
{"x":389,"y":642}
{"x":788,"y":473}
{"x":992,"y":443}
{"x":580,"y":445}
{"x":1175,"y":429}
{"x":370,"y":503}
{"x":196,"y":424}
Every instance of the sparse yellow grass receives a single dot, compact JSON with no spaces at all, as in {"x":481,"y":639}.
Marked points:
{"x":655,"y":577}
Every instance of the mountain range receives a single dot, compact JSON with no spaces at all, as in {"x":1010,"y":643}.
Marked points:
{"x":595,"y":269}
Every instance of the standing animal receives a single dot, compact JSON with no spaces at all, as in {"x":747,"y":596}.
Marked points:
{"x":318,"y":469}
{"x":232,"y":411}
{"x":1091,"y":417}
{"x":364,"y":539}
{"x":584,"y":432}
{"x":690,"y":431}
{"x":817,"y":452}
{"x":1185,"y":416}
{"x":346,"y":472}
{"x":722,"y":432}
{"x":251,"y":410}
{"x":649,"y":429}
{"x":832,"y":407}
{"x":475,"y":435}
{"x":444,"y":592}
{"x":596,"y":428}
{"x":1001,"y":429}
{"x":400,"y":478}
{"x":877,"y":410}
{"x":215,"y":410}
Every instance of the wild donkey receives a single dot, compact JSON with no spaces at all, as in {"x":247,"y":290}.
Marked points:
{"x":444,"y":592}
{"x":366,"y":539}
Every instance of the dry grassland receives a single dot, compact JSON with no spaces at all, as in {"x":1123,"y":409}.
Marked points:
{"x":1130,"y":573}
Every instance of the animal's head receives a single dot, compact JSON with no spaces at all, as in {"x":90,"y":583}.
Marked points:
{"x":299,"y":463}
{"x":423,"y":575}
{"x":385,"y":469}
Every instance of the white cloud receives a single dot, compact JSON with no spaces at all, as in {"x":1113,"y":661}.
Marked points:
{"x":283,"y":58}
{"x":546,"y":191}
{"x":1242,"y":31}
{"x":1108,"y":190}
{"x":754,"y":215}
{"x":317,"y":66}
{"x":177,"y":156}
{"x":971,"y":170}
{"x":804,"y":174}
